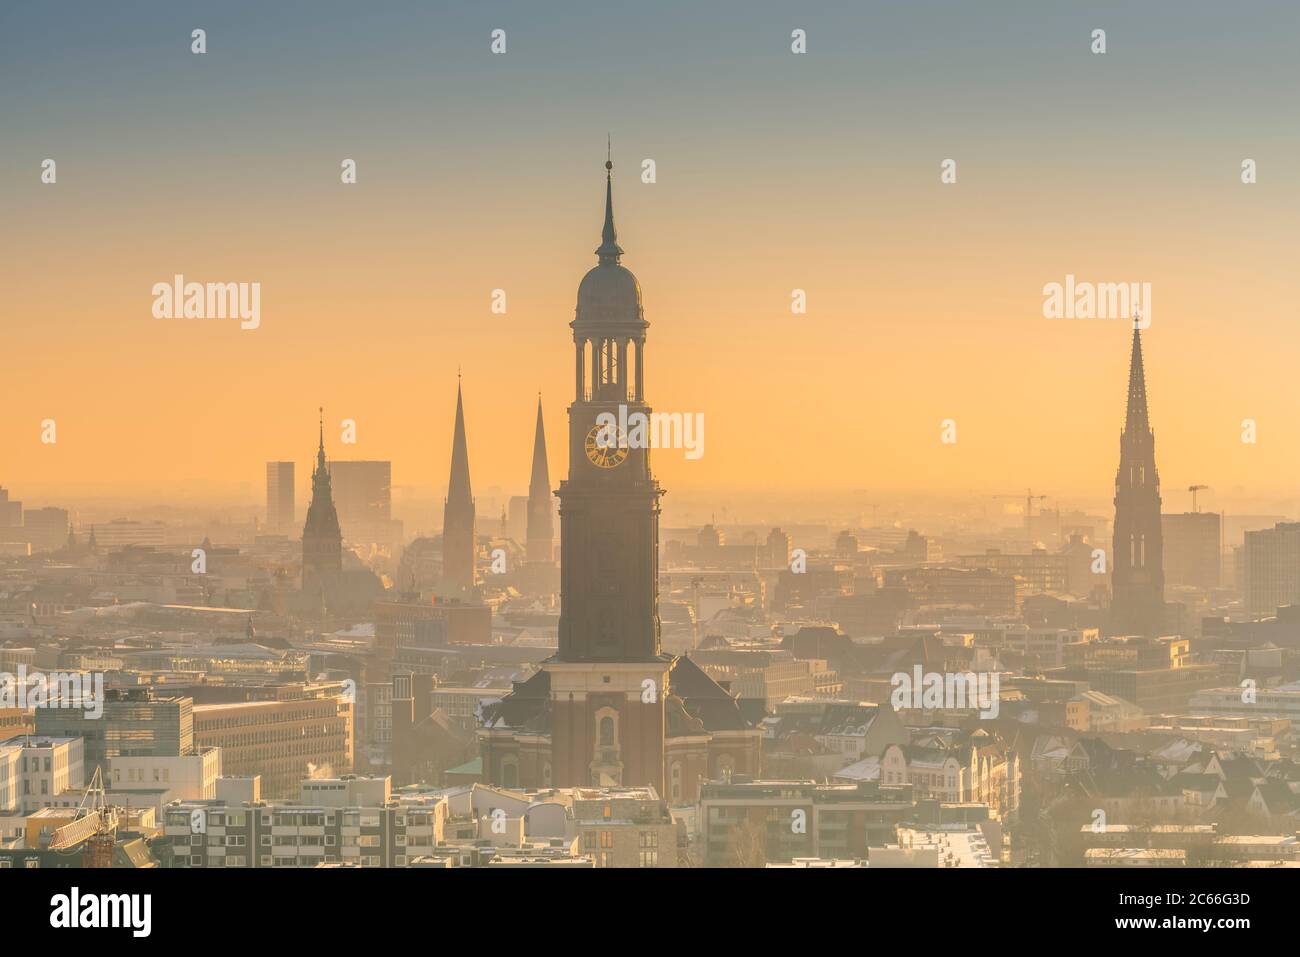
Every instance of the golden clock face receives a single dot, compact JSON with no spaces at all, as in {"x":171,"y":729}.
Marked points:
{"x":604,"y":457}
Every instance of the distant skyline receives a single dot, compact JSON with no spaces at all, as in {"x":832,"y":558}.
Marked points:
{"x":775,"y":172}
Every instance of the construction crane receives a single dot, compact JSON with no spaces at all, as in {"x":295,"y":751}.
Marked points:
{"x":1194,"y":489}
{"x":1029,"y":498}
{"x":94,"y":827}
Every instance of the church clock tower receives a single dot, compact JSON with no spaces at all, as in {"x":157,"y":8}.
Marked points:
{"x":609,"y":709}
{"x":608,"y":678}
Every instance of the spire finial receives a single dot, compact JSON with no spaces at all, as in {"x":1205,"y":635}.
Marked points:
{"x":320,"y":452}
{"x":609,"y":251}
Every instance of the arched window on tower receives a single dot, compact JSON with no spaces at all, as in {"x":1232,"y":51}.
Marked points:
{"x":607,"y":732}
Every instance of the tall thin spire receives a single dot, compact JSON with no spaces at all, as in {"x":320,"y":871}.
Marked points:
{"x":609,"y":250}
{"x":458,"y":509}
{"x":458,"y":486}
{"x":540,"y":481}
{"x":1137,"y":418}
{"x":541,"y":517}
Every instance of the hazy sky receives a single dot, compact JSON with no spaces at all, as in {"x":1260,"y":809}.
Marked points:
{"x":775,"y":171}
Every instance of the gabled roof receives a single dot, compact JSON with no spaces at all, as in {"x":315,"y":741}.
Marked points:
{"x":1277,"y":798}
{"x":705,"y":699}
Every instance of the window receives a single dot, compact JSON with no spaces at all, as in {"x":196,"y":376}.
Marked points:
{"x":607,"y":732}
{"x":606,"y":839}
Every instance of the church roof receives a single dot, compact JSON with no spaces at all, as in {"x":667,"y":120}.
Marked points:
{"x":694,"y":704}
{"x":704,"y":699}
{"x":527,"y":707}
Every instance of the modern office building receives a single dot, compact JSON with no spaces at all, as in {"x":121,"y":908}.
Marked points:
{"x":363,"y":497}
{"x":1193,"y":548}
{"x":46,"y":529}
{"x":35,"y":770}
{"x":1271,"y":568}
{"x":135,"y":723}
{"x":280,"y":497}
{"x":284,"y":741}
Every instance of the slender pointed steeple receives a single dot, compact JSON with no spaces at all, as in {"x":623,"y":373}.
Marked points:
{"x":320,"y":454}
{"x":541,"y":522}
{"x":1137,"y":419}
{"x":609,"y":250}
{"x":458,"y":487}
{"x":540,"y":480}
{"x":458,"y":509}
{"x":1137,"y":560}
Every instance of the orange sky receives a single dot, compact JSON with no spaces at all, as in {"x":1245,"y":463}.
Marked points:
{"x":925,"y":300}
